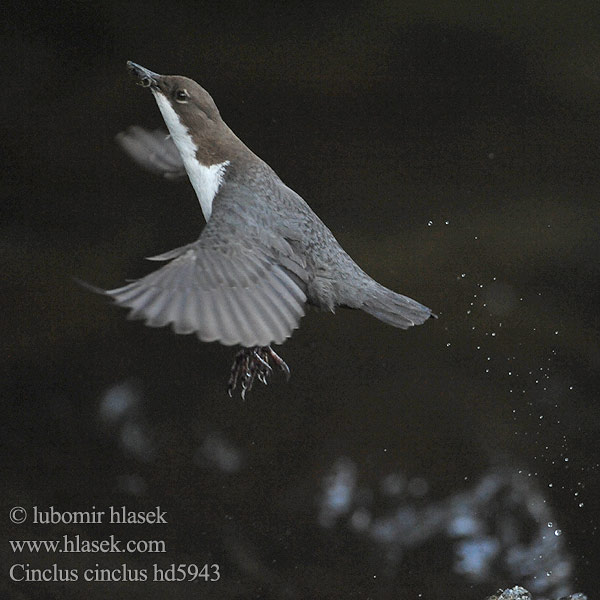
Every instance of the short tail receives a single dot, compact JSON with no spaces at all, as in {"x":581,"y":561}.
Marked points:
{"x":395,"y":309}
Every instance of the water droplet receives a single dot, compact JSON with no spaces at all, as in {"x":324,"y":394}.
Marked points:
{"x":550,"y":524}
{"x":557,"y":532}
{"x":429,"y":223}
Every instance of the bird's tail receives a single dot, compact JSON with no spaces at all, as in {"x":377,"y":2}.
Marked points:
{"x":395,"y":309}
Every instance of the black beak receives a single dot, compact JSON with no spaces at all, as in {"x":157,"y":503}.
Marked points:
{"x":146,"y":77}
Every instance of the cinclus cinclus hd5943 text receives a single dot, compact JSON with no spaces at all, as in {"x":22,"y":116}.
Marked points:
{"x":263,"y":254}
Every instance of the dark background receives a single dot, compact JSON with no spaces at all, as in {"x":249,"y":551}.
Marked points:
{"x":453,"y":151}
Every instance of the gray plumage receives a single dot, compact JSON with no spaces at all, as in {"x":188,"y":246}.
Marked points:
{"x":153,"y":151}
{"x":262,"y":256}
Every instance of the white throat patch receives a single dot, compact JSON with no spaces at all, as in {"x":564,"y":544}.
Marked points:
{"x":206,"y":181}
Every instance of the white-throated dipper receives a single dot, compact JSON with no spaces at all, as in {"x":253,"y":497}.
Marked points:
{"x":263,"y":254}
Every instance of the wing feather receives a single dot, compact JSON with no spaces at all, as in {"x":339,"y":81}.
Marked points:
{"x":153,"y":151}
{"x":236,"y":296}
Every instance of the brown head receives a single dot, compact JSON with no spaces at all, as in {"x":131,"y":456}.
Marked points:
{"x":188,"y":109}
{"x":190,"y":98}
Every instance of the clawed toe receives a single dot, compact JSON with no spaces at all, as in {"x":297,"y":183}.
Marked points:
{"x":279,"y":362}
{"x":254,"y":363}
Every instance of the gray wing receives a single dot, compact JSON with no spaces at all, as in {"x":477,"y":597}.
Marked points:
{"x":234,"y":296}
{"x":154,"y":151}
{"x":240,"y":283}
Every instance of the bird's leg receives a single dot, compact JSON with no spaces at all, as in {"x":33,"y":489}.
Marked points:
{"x":278,"y":361}
{"x":254,"y":363}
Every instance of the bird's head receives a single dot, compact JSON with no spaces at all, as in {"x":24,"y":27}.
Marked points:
{"x":180,"y":100}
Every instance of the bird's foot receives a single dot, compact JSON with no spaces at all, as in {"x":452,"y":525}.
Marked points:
{"x":254,"y":363}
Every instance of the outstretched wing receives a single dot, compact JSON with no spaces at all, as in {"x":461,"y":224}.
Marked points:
{"x":240,"y":283}
{"x":154,"y":151}
{"x":235,"y":295}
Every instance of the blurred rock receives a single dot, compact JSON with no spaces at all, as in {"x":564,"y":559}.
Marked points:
{"x":502,"y":527}
{"x":520,"y":593}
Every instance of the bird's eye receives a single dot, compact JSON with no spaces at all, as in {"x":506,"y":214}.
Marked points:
{"x":182,"y":96}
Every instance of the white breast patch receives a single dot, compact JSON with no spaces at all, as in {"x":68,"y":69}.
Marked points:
{"x":206,"y":180}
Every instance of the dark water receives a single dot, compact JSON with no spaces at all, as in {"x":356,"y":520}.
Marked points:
{"x":454,"y":153}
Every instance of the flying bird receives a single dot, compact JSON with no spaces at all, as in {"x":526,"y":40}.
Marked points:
{"x":263,"y":255}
